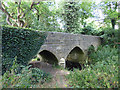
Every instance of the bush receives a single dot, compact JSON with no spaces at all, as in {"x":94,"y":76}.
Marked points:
{"x":102,"y":54}
{"x":23,"y":43}
{"x":28,"y":78}
{"x":89,"y":31}
{"x":110,"y":36}
{"x":102,"y":74}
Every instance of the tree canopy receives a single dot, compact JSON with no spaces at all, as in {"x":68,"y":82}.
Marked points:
{"x":110,"y":11}
{"x":72,"y":15}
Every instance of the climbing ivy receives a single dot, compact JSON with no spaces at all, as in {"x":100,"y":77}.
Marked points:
{"x":71,"y":16}
{"x":23,"y":43}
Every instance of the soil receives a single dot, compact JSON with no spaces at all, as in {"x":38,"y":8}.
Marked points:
{"x":58,"y":76}
{"x":58,"y":79}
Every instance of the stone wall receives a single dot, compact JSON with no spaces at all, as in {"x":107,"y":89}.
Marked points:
{"x":63,"y":46}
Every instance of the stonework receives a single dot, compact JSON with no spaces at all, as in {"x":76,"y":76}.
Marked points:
{"x":63,"y":46}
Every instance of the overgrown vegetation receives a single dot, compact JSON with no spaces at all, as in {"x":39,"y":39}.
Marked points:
{"x":102,"y":73}
{"x":102,"y":68}
{"x":28,"y":78}
{"x":23,"y":43}
{"x":110,"y":36}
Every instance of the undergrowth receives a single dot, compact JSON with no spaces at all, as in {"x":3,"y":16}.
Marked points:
{"x":28,"y":78}
{"x":102,"y":73}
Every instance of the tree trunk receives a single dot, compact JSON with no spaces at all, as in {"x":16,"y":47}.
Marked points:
{"x":113,"y":22}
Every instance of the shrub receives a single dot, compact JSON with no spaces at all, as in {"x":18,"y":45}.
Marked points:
{"x":26,"y":79}
{"x":102,"y":54}
{"x":102,"y":74}
{"x":89,"y":30}
{"x":110,"y":36}
{"x":20,"y":42}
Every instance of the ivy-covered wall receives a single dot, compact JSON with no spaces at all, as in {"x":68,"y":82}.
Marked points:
{"x":21,"y":43}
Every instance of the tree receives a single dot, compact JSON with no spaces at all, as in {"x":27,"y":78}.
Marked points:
{"x":15,"y":15}
{"x":86,"y":9}
{"x":75,"y":13}
{"x":110,"y":11}
{"x":71,"y":16}
{"x":35,"y":15}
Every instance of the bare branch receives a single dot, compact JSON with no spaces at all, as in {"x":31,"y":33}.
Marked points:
{"x":18,"y":12}
{"x":37,"y":9}
{"x":31,"y":7}
{"x":37,"y":13}
{"x":8,"y":20}
{"x":33,"y":3}
{"x":2,"y":7}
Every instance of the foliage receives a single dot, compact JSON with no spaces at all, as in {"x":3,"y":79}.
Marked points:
{"x":88,"y":30}
{"x":44,"y":18}
{"x":102,"y":74}
{"x":86,"y":9}
{"x":109,"y":9}
{"x":110,"y":36}
{"x":36,"y":15}
{"x":103,"y":53}
{"x":74,"y":14}
{"x":71,"y":16}
{"x":23,"y":43}
{"x":26,"y":79}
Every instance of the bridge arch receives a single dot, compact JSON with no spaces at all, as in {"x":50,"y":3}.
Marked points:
{"x":74,"y":58}
{"x":48,"y":57}
{"x":76,"y":54}
{"x":94,"y":46}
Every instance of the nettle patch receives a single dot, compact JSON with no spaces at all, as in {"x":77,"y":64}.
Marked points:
{"x":21,"y":43}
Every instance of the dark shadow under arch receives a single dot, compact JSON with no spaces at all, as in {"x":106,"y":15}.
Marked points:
{"x":48,"y":57}
{"x":74,"y":58}
{"x":75,"y":55}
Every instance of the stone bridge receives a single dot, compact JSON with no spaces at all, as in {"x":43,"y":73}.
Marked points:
{"x":60,"y":47}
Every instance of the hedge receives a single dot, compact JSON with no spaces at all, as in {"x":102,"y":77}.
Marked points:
{"x":21,"y":43}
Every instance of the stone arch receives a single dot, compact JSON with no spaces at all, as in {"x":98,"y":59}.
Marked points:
{"x":75,"y":54}
{"x":48,"y":57}
{"x":75,"y":58}
{"x":95,"y":46}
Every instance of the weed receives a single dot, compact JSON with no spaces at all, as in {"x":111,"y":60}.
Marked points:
{"x":103,"y":73}
{"x":26,"y":79}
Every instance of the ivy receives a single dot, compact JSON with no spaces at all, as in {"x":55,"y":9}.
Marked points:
{"x":23,"y":43}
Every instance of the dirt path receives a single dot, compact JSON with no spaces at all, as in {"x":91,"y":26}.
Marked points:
{"x":58,"y":80}
{"x":58,"y":76}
